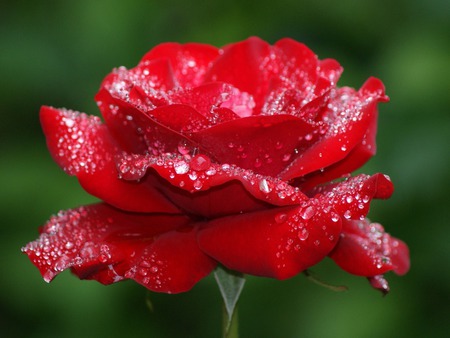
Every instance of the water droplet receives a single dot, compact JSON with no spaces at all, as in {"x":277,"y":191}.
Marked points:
{"x":200,"y":162}
{"x":68,"y":122}
{"x":103,"y":258}
{"x":183,"y":148}
{"x":211,"y":171}
{"x":348,"y":214}
{"x":349,"y":199}
{"x":308,"y":137}
{"x":198,"y":185}
{"x":334,"y":217}
{"x":264,"y":186}
{"x":308,"y":212}
{"x":286,"y":157}
{"x":143,"y":272}
{"x":316,"y":242}
{"x":303,"y":234}
{"x":69,"y":245}
{"x":344,"y":148}
{"x":281,"y":218}
{"x":181,"y":167}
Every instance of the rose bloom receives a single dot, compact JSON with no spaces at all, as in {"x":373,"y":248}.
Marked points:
{"x":239,"y":156}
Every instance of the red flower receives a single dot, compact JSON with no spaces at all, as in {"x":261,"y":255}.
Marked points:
{"x":211,"y":156}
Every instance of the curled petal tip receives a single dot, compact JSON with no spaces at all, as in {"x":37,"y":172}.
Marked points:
{"x":379,"y":283}
{"x":373,"y":87}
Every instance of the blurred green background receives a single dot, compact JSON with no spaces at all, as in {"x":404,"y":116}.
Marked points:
{"x":57,"y":53}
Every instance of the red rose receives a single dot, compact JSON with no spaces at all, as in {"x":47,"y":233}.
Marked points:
{"x":211,"y":156}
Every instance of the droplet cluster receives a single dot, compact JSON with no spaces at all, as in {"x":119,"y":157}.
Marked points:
{"x":201,"y":173}
{"x":351,"y":197}
{"x":68,"y":239}
{"x":311,"y":229}
{"x":78,"y":143}
{"x":149,"y":270}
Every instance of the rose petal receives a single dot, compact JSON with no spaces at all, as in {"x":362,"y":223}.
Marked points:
{"x":247,"y":73}
{"x":330,"y":69}
{"x":351,"y":198}
{"x":264,"y":144}
{"x":278,"y":243}
{"x":210,"y":96}
{"x":131,"y":126}
{"x":209,"y":190}
{"x":296,"y":67}
{"x":190,"y":61}
{"x":379,"y":283}
{"x":300,"y":83}
{"x":348,"y":118}
{"x":365,"y":249}
{"x":102,"y":243}
{"x":83,"y":147}
{"x":359,"y":155}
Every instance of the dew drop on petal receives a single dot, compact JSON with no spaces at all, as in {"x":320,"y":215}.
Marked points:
{"x":181,"y":167}
{"x":348,"y":214}
{"x":198,"y":185}
{"x":264,"y":186}
{"x":308,"y":212}
{"x":303,"y":234}
{"x":200,"y":162}
{"x":183,"y":148}
{"x":69,"y":245}
{"x":281,"y":218}
{"x":286,"y":157}
{"x":334,"y":217}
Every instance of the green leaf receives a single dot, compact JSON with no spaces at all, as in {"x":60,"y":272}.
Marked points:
{"x":230,"y":285}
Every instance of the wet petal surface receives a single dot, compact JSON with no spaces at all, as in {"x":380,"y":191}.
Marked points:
{"x":201,"y":187}
{"x":347,"y":122}
{"x":102,"y":243}
{"x":365,"y":249}
{"x":83,"y":147}
{"x":277,"y":243}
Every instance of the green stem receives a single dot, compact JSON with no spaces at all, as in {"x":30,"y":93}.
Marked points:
{"x":230,"y":328}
